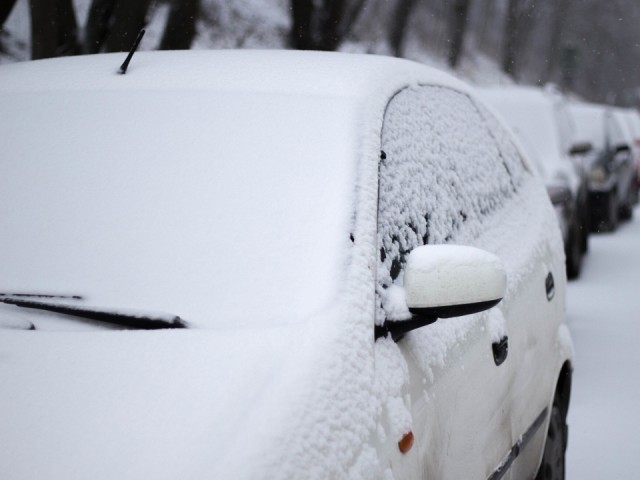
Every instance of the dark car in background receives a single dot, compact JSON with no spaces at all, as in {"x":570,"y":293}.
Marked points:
{"x":632,"y":117}
{"x":610,"y":162}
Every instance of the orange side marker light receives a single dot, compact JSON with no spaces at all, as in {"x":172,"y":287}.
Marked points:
{"x":406,"y":442}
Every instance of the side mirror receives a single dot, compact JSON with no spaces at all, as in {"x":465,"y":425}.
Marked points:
{"x":443,"y":281}
{"x":559,"y":194}
{"x":580,"y":148}
{"x":622,"y":155}
{"x":623,"y":147}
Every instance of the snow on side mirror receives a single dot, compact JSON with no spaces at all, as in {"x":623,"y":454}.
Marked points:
{"x":453,"y":280}
{"x":443,"y":281}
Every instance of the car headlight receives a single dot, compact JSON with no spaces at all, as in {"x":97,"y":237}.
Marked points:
{"x":598,"y":174}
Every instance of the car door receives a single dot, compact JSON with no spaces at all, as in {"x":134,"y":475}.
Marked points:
{"x":530,"y":244}
{"x":441,"y":176}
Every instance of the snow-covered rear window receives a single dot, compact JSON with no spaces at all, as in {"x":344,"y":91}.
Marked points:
{"x":224,"y":208}
{"x":589,"y":122}
{"x":537,"y":119}
{"x":445,"y":167}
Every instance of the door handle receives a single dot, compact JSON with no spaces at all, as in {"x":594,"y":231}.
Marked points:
{"x":550,"y":286}
{"x":500,"y":350}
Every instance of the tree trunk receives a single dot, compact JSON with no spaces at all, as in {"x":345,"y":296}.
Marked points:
{"x":559,"y":15}
{"x":5,"y":10}
{"x":181,"y":25}
{"x":398,"y":26}
{"x":53,"y":29}
{"x":457,"y":30}
{"x":302,"y":12}
{"x":129,"y":17}
{"x":322,"y":24}
{"x":98,"y":23}
{"x":518,"y":23}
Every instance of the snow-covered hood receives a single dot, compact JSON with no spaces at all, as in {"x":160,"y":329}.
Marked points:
{"x":140,"y":404}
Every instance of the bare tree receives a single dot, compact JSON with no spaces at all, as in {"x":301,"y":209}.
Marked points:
{"x":322,"y":24}
{"x":399,"y":24}
{"x":53,"y":29}
{"x":112,"y":25}
{"x":559,"y":16}
{"x":98,"y":23}
{"x":519,"y":21}
{"x":457,"y":28}
{"x":5,"y":10}
{"x":181,"y":25}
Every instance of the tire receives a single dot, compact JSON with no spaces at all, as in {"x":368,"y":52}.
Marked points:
{"x":626,"y":212}
{"x":573,"y":252}
{"x":585,"y":228}
{"x":552,"y":466}
{"x":610,"y":223}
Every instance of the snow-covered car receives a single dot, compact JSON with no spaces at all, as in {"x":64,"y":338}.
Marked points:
{"x":610,"y":162}
{"x":540,"y":118}
{"x":273,"y":265}
{"x":632,"y":117}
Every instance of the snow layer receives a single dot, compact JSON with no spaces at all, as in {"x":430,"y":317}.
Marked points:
{"x":603,"y":317}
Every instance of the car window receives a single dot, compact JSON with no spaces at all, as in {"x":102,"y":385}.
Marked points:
{"x":615,"y":135}
{"x":566,"y":127}
{"x":445,"y":165}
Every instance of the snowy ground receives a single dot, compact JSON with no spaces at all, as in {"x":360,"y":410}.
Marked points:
{"x":604,"y":317}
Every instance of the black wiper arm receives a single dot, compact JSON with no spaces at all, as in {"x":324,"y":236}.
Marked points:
{"x":42,"y":295}
{"x":130,"y":320}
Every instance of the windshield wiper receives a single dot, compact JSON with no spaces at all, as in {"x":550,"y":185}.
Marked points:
{"x":42,"y":295}
{"x":130,"y":320}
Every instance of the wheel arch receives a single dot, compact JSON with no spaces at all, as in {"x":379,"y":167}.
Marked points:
{"x":563,"y":387}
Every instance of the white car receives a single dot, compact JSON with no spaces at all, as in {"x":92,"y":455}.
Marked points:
{"x":273,"y":265}
{"x":540,"y":118}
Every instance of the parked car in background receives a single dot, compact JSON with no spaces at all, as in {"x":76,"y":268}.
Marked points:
{"x":541,"y":120}
{"x":611,"y":172}
{"x":633,"y":122}
{"x":269,"y":265}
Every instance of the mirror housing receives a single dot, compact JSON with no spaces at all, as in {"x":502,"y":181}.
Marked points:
{"x":443,"y":281}
{"x":580,"y":148}
{"x":623,"y":147}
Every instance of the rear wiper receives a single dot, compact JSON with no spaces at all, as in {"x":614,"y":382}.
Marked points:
{"x":130,"y":320}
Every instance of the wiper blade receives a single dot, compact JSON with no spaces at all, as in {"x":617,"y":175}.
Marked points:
{"x":130,"y":320}
{"x":42,"y":295}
